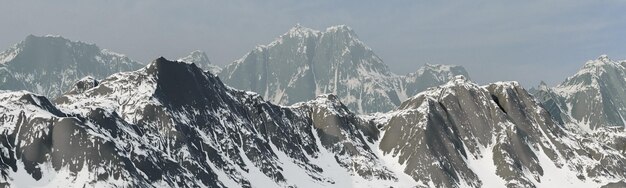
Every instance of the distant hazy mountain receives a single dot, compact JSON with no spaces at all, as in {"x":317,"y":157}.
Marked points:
{"x":304,"y":63}
{"x":171,"y":124}
{"x":49,"y":65}
{"x":594,"y":97}
{"x":427,"y":76}
{"x":201,"y":60}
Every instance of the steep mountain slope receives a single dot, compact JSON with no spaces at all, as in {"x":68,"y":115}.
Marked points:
{"x":461,"y":134}
{"x":170,"y":124}
{"x":49,"y":65}
{"x":304,"y":63}
{"x":593,"y":98}
{"x":201,"y":60}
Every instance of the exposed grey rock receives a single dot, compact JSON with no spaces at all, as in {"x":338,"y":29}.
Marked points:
{"x":615,"y":184}
{"x":50,"y":65}
{"x":201,"y":60}
{"x":594,"y":97}
{"x":440,"y":134}
{"x":83,"y":85}
{"x":304,"y":63}
{"x":171,"y":124}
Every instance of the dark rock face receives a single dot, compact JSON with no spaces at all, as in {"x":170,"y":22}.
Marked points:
{"x":170,"y":124}
{"x":49,"y":65}
{"x":439,"y":135}
{"x":83,"y":85}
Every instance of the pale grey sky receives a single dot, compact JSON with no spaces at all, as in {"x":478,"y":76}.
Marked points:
{"x":527,"y":41}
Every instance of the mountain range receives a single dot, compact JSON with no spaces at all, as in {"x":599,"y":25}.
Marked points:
{"x":49,"y":65}
{"x":201,"y":60}
{"x":172,"y":124}
{"x":592,"y":98}
{"x":304,"y":63}
{"x":299,"y":112}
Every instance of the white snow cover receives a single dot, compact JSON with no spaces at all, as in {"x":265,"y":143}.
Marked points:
{"x":132,"y":91}
{"x":351,"y":70}
{"x":8,"y":55}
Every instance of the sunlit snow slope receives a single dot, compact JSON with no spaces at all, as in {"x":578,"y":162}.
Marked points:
{"x":171,"y":124}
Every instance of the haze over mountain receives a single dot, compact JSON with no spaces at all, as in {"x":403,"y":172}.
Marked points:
{"x":201,"y":60}
{"x":493,"y":40}
{"x":49,"y":65}
{"x":304,"y":63}
{"x":171,"y":124}
{"x":592,"y":98}
{"x":310,"y":109}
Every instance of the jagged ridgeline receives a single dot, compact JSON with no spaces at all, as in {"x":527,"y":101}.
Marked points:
{"x":592,"y":98}
{"x":304,"y":63}
{"x":171,"y":124}
{"x":49,"y":65}
{"x":201,"y":60}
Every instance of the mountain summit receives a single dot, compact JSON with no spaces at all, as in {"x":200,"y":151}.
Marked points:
{"x":593,"y":98}
{"x":201,"y":60}
{"x":304,"y":63}
{"x":49,"y":65}
{"x":171,"y":124}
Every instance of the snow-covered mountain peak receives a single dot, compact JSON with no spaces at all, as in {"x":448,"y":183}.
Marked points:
{"x":345,"y":34}
{"x":112,"y":53}
{"x":162,"y":64}
{"x":459,"y":86}
{"x":13,"y":103}
{"x":32,"y":37}
{"x":50,"y":65}
{"x":604,"y":58}
{"x":440,"y":72}
{"x":459,"y":81}
{"x":9,"y":54}
{"x":508,"y":84}
{"x":602,"y":62}
{"x":300,"y":31}
{"x":591,"y":73}
{"x":201,"y":60}
{"x":39,"y":43}
{"x":34,"y":41}
{"x":506,"y":88}
{"x":543,"y":86}
{"x":291,"y":70}
{"x":170,"y":124}
{"x":591,"y":98}
{"x":162,"y":82}
{"x":339,"y":29}
{"x":437,"y":68}
{"x":196,"y":56}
